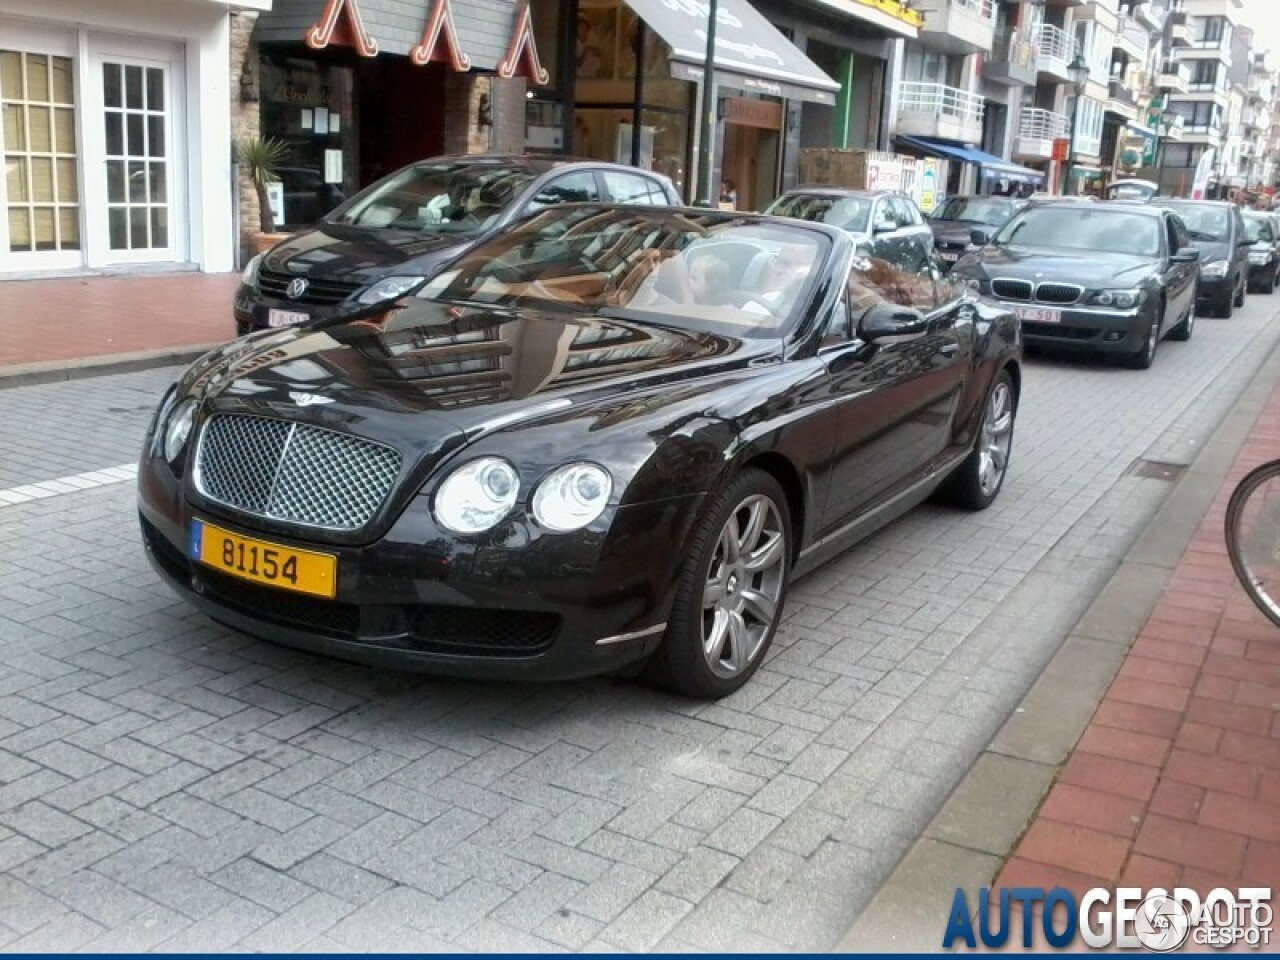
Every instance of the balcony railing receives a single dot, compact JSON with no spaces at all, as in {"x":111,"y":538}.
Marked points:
{"x":1054,"y":45}
{"x":1218,"y":86}
{"x":942,"y":101}
{"x":1206,"y":43}
{"x":1037,"y":124}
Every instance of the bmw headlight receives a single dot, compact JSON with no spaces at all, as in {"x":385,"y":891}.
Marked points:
{"x":1218,"y":268}
{"x":178,"y":428}
{"x":572,"y":496}
{"x":390,"y":288}
{"x":1117,"y":299}
{"x":477,"y":495}
{"x":249,"y":276}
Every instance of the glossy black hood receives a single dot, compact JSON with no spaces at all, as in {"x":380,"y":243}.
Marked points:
{"x":1087,"y":270}
{"x":360,"y":255}
{"x":424,"y":367}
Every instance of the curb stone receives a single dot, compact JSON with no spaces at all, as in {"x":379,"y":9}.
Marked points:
{"x":57,"y":371}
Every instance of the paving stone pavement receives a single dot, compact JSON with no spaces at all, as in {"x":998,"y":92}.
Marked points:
{"x":166,"y":784}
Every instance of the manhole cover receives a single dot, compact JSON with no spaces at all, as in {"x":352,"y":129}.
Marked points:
{"x":1156,"y":470}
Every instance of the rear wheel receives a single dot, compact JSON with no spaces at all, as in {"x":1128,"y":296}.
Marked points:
{"x":1184,"y":330}
{"x":731,"y":591}
{"x":977,"y":482}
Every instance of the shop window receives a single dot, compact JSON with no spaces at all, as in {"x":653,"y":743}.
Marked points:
{"x":42,"y":199}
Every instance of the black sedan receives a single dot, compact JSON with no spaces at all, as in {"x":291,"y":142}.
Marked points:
{"x":1217,"y":230}
{"x":953,"y":223}
{"x":605,"y":438}
{"x":1264,"y":255}
{"x":1114,"y":278}
{"x":387,"y":240}
{"x":885,"y":223}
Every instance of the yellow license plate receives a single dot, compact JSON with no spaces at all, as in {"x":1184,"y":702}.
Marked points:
{"x":301,"y":571}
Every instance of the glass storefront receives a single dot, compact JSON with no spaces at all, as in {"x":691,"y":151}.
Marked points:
{"x":310,"y":105}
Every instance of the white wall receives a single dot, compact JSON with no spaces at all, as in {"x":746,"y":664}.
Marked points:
{"x":204,"y":29}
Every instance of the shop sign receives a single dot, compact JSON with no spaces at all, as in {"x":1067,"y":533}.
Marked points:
{"x":353,"y":34}
{"x":440,"y":28}
{"x":764,"y":114}
{"x":928,"y":187}
{"x":884,"y":174}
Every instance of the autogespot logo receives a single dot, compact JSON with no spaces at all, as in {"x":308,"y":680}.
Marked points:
{"x":1160,"y":921}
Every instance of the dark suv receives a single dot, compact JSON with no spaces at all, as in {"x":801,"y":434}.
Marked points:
{"x":886,"y":224}
{"x":392,"y":237}
{"x":1217,"y":229}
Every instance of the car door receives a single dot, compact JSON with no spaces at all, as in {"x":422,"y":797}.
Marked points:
{"x":1240,"y":242}
{"x":1180,"y":278}
{"x":917,"y":239}
{"x":897,"y":397}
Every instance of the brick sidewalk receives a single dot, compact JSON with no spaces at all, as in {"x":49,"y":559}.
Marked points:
{"x":74,"y":319}
{"x":1176,"y":781}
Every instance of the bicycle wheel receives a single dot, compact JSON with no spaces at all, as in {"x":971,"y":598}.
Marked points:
{"x":1253,"y":537}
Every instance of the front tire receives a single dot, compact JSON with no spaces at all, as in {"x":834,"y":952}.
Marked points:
{"x":1224,"y":307}
{"x":731,"y":591}
{"x":977,"y":482}
{"x":1184,"y":330}
{"x":1244,"y":284}
{"x":1146,"y":354}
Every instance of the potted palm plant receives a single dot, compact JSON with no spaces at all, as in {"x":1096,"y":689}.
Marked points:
{"x":262,"y":159}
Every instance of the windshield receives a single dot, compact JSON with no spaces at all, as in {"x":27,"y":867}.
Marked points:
{"x":438,"y":198}
{"x":1257,"y":229}
{"x":847,"y":213}
{"x":1204,"y":222}
{"x":690,"y":271}
{"x":1131,"y":191}
{"x":1078,"y":227}
{"x":993,"y":213}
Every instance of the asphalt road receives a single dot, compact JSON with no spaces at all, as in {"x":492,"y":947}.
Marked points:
{"x":167,"y":784}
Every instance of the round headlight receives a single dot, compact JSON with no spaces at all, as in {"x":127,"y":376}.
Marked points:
{"x":1105,"y":299}
{"x":571,"y":497}
{"x":178,"y":428}
{"x":477,"y":495}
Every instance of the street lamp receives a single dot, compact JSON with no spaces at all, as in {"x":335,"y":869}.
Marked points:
{"x":1078,"y":71}
{"x":708,"y":124}
{"x":1164,"y":127}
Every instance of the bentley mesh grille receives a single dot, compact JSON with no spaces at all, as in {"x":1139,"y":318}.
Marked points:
{"x":293,"y":472}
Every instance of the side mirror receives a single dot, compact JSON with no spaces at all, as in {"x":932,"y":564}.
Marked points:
{"x":890,"y":320}
{"x":1186,"y":255}
{"x":981,"y":236}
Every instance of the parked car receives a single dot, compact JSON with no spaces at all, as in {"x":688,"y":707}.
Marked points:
{"x":1264,"y":255}
{"x":885,"y":223}
{"x":1131,"y":189}
{"x":1217,"y":229}
{"x":607,"y":436}
{"x":953,"y":222}
{"x":1113,"y":278}
{"x":390,"y":238}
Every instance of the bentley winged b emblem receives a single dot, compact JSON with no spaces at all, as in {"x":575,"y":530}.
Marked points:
{"x":308,"y":399}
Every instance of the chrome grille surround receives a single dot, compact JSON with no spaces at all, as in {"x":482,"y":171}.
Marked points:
{"x":293,"y":472}
{"x":1058,"y":293}
{"x":1007,"y":289}
{"x":321,"y":291}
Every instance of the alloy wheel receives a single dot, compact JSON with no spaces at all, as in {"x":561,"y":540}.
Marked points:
{"x":997,"y":439}
{"x":743,"y":591}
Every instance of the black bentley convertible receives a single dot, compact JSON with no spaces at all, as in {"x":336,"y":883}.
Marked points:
{"x":607,"y":437}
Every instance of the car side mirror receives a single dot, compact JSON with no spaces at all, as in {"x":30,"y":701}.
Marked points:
{"x":981,"y":236}
{"x":891,"y":320}
{"x":1186,"y":255}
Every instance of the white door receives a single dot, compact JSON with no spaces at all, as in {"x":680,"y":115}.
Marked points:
{"x":40,"y":210}
{"x":138,"y":222}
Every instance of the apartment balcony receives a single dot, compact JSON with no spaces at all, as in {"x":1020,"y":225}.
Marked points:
{"x":1150,"y":18}
{"x":1037,"y":129}
{"x":959,"y":27}
{"x":1012,"y":62}
{"x":1202,"y":133}
{"x":1219,"y":91}
{"x":936,"y":110}
{"x":1121,"y":99}
{"x":1180,"y":32}
{"x":1055,"y":49}
{"x":1131,"y":40}
{"x":1174,"y":77}
{"x":1202,"y":49}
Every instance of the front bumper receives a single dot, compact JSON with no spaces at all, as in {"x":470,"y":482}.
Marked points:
{"x":1088,"y":328}
{"x":527,"y":606}
{"x":1215,"y":289}
{"x":252,"y":310}
{"x":1261,"y":271}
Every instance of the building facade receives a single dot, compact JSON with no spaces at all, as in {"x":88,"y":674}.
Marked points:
{"x":116,"y":136}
